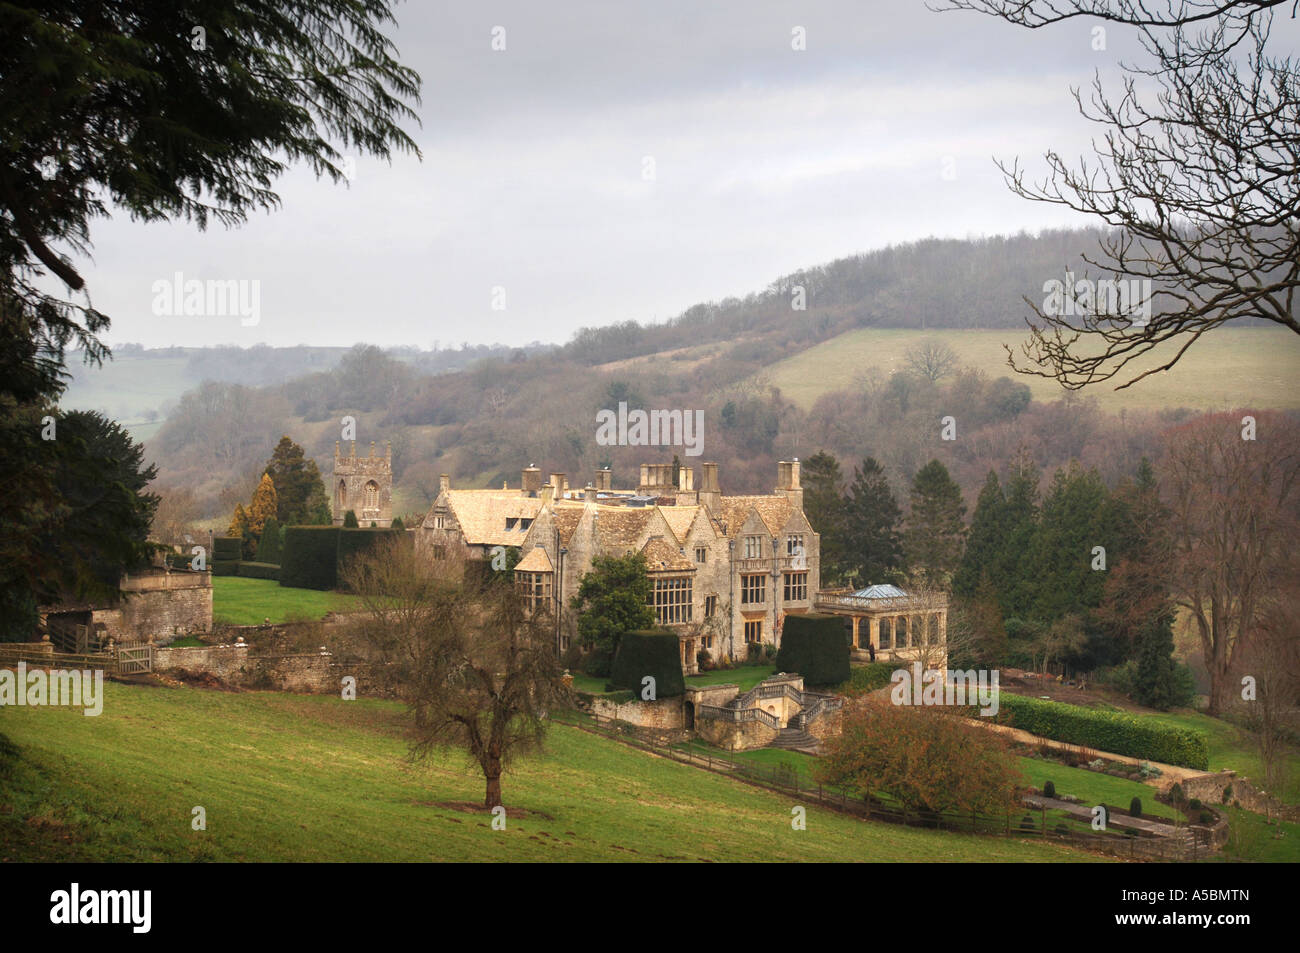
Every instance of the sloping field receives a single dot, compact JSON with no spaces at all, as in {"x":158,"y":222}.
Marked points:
{"x":293,"y":777}
{"x":1226,"y":369}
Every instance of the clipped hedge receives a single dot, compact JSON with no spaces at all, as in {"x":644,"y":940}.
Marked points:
{"x":1116,"y":732}
{"x":259,"y":570}
{"x":653,"y":653}
{"x":354,"y":543}
{"x":225,"y":567}
{"x":814,"y":646}
{"x":309,"y":559}
{"x":268,"y":547}
{"x":227,"y":548}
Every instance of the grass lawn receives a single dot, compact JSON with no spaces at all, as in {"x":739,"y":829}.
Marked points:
{"x":589,"y":684}
{"x":1234,"y":367}
{"x":240,"y":601}
{"x":1231,"y":750}
{"x":747,"y":676}
{"x":314,"y":778}
{"x":1094,"y":788}
{"x":1252,"y":837}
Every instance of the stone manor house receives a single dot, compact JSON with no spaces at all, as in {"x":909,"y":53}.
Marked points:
{"x":726,"y":570}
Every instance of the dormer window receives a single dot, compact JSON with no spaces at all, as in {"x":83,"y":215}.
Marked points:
{"x":512,"y":522}
{"x":753,"y":547}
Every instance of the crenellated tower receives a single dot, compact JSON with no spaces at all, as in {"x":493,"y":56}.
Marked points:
{"x":363,"y":485}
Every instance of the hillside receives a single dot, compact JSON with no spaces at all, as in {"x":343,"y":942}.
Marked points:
{"x":1233,"y":367}
{"x":311,"y":778}
{"x":772,"y":383}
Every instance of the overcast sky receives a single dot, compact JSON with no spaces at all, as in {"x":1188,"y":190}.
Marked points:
{"x":765,"y":160}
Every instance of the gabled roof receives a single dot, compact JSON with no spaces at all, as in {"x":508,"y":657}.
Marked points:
{"x":662,"y":556}
{"x":566,"y":517}
{"x":536,"y":561}
{"x":482,"y":515}
{"x":619,"y":529}
{"x":774,"y":511}
{"x":680,"y":519}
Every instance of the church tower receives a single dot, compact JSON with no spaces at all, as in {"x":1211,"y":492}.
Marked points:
{"x":363,"y":485}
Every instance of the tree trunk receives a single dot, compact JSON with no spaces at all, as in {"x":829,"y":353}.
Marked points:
{"x":492,"y":774}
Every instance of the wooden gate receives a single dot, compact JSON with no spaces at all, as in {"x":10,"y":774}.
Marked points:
{"x":135,"y":660}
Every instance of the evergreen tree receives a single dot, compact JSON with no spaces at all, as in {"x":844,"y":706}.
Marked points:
{"x":300,"y":492}
{"x":350,"y":520}
{"x":873,"y":546}
{"x":1156,"y":681}
{"x":613,"y":599}
{"x":1136,"y":594}
{"x":238,"y":522}
{"x":262,"y":508}
{"x":101,"y":530}
{"x":103,"y":107}
{"x":824,"y":505}
{"x":397,"y":523}
{"x":1075,"y":519}
{"x":935,"y":532}
{"x":1012,"y":573}
{"x":983,"y":547}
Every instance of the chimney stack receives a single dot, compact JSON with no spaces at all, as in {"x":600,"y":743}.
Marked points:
{"x":560,"y":483}
{"x":788,"y":482}
{"x":444,"y":482}
{"x":603,"y":477}
{"x":590,"y":493}
{"x":710,"y":494}
{"x":530,"y":480}
{"x":547,"y":493}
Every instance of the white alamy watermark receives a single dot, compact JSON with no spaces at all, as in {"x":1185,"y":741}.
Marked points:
{"x":75,"y":906}
{"x":54,"y":688}
{"x":655,"y":428}
{"x":952,"y":687}
{"x":1128,"y":298}
{"x":213,"y":298}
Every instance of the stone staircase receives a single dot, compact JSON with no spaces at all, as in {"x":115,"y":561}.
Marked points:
{"x":794,"y":739}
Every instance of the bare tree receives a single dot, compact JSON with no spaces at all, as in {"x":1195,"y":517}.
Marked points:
{"x":177,"y":514}
{"x":1060,"y":639}
{"x":1272,"y":711}
{"x":1233,"y":515}
{"x":478,"y":673}
{"x":1201,"y":188}
{"x":1141,"y":13}
{"x":931,"y":359}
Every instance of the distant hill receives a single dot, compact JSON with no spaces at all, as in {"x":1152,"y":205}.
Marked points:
{"x":773,"y":382}
{"x":140,"y":386}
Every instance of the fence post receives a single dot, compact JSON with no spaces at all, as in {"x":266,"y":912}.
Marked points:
{"x":1043,"y":814}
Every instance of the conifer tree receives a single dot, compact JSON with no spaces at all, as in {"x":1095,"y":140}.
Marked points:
{"x":935,"y":532}
{"x":262,"y":508}
{"x":823,"y":504}
{"x":300,"y":492}
{"x":983,"y":547}
{"x":239,"y":527}
{"x":1012,"y":574}
{"x":1074,"y":522}
{"x":873,"y":546}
